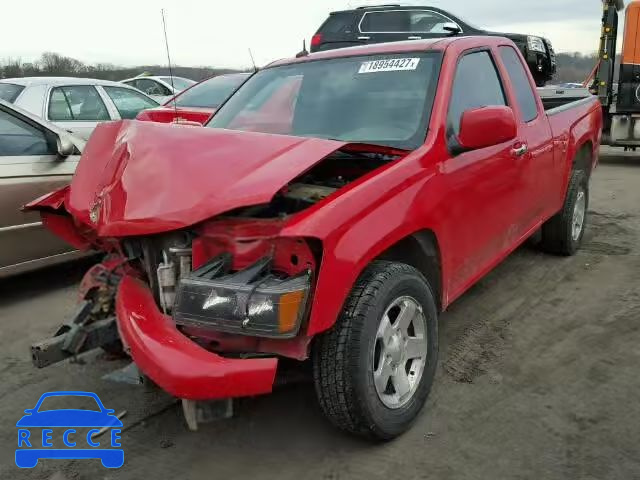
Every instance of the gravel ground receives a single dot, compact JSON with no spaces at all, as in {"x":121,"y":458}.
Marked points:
{"x":538,"y":378}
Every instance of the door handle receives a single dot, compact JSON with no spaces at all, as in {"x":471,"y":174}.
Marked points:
{"x":364,"y":38}
{"x":414,"y":38}
{"x":519,"y":150}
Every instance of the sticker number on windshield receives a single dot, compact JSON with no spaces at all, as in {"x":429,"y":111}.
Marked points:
{"x":392,"y":65}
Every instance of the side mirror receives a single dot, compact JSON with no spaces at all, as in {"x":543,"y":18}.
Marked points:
{"x":29,"y":411}
{"x":486,"y":126}
{"x":451,"y":27}
{"x":65,"y":146}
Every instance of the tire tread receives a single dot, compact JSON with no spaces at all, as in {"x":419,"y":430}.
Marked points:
{"x":334,"y":353}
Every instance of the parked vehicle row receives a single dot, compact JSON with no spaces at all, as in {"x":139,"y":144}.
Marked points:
{"x":329,"y":210}
{"x":75,"y":104}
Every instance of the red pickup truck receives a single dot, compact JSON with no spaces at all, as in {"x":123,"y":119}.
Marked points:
{"x":331,"y":208}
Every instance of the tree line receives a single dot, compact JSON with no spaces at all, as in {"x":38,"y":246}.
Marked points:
{"x":572,"y":67}
{"x":51,"y":64}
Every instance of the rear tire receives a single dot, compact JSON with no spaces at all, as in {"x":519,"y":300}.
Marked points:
{"x":374,"y":369}
{"x":563,"y":233}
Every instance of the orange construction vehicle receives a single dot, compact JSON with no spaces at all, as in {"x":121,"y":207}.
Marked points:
{"x":620,"y":101}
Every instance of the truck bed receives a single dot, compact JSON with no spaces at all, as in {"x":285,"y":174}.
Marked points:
{"x":560,"y":98}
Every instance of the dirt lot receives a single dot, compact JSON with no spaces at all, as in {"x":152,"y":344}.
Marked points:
{"x":539,"y":378}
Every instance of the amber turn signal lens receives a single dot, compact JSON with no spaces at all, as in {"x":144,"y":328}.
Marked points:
{"x":289,"y":310}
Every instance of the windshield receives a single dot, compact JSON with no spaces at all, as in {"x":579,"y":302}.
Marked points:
{"x":9,"y":92}
{"x":211,"y":93}
{"x":179,"y":83}
{"x":381,"y":99}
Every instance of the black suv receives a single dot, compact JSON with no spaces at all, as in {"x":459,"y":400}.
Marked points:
{"x":393,"y":23}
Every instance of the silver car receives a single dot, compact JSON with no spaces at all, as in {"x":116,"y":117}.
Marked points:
{"x":36,"y":157}
{"x":75,"y":104}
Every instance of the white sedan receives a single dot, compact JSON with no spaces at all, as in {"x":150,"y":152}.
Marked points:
{"x":77,"y":105}
{"x":160,"y":88}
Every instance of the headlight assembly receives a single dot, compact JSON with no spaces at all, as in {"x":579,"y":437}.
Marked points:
{"x":536,"y":44}
{"x":249,"y":302}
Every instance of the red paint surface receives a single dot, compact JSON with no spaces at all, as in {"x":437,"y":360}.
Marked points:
{"x":146,"y":178}
{"x":479,"y":205}
{"x":483,"y":127}
{"x":166,"y":114}
{"x":248,"y":240}
{"x":177,"y":364}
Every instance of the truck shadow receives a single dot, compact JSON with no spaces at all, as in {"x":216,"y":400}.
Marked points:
{"x":620,"y":157}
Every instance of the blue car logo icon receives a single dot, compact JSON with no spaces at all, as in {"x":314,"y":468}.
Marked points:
{"x":32,"y":446}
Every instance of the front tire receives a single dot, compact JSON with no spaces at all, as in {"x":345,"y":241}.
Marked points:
{"x":374,"y":369}
{"x":563,"y":233}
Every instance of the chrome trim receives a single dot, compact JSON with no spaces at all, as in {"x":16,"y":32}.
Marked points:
{"x":404,"y":10}
{"x":520,"y":151}
{"x":30,"y":265}
{"x":20,"y":227}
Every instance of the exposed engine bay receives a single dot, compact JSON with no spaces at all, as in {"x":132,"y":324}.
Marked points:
{"x":335,"y":172}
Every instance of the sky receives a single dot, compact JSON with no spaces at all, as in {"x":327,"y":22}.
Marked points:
{"x":219,"y":32}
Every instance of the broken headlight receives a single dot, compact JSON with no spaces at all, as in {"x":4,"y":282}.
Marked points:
{"x":249,"y":302}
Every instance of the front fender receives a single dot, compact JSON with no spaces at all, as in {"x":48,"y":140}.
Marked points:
{"x":351,"y":241}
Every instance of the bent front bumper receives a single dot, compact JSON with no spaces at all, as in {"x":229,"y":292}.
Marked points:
{"x":177,"y":364}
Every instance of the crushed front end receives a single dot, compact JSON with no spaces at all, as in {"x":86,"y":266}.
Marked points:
{"x":203,"y":286}
{"x":214,"y":307}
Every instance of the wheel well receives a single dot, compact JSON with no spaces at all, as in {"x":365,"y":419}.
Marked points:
{"x":422,"y":252}
{"x":583,"y":159}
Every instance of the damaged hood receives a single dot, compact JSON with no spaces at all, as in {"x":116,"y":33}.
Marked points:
{"x":138,"y":178}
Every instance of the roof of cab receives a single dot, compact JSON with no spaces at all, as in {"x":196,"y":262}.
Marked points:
{"x":426,"y":45}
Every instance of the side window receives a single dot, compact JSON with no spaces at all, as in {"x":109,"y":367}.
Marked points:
{"x":423,"y":21}
{"x":395,"y":21}
{"x":129,"y":102}
{"x":18,"y":138}
{"x":337,"y":23}
{"x":76,"y":102}
{"x":151,"y":87}
{"x":476,"y":84}
{"x":521,"y":85}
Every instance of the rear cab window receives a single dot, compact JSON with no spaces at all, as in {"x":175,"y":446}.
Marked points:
{"x":520,"y":80}
{"x":473,"y":70}
{"x":10,"y":91}
{"x":210,"y":93}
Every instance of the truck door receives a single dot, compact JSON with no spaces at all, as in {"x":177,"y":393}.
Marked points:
{"x":485,"y":185}
{"x":539,"y":176}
